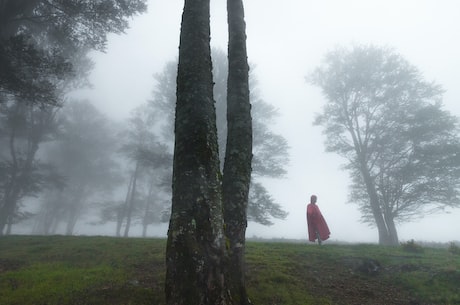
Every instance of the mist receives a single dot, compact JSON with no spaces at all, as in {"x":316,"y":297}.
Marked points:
{"x":285,"y":43}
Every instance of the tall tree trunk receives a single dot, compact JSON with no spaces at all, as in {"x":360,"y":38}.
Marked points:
{"x":21,"y":170}
{"x":121,"y":211}
{"x":360,"y":149}
{"x":148,"y":203}
{"x":195,"y":246}
{"x":132,"y":198}
{"x":72,"y":217}
{"x":238,"y":155}
{"x":384,"y":236}
{"x":7,"y":209}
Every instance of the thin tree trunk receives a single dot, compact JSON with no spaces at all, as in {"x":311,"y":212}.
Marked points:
{"x":238,"y":156}
{"x":7,"y":210}
{"x":195,"y":246}
{"x":74,"y":212}
{"x":384,"y":235}
{"x":148,"y":203}
{"x":131,"y":201}
{"x":21,"y":171}
{"x":121,"y":211}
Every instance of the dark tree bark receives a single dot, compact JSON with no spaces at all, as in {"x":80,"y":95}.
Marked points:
{"x":195,"y":247}
{"x":238,"y":155}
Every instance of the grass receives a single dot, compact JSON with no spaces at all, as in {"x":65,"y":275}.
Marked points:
{"x":105,"y":270}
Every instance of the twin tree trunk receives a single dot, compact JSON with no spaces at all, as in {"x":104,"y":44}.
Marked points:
{"x":384,"y":221}
{"x":204,"y":262}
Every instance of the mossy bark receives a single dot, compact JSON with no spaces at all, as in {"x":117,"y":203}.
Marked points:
{"x":195,"y":245}
{"x":238,"y":155}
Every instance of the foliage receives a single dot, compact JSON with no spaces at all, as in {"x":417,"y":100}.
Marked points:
{"x":263,"y":206}
{"x":270,"y":150}
{"x":74,"y":24}
{"x":401,"y":147}
{"x":131,"y":271}
{"x":145,"y":199}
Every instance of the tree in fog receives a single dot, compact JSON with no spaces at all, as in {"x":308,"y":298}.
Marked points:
{"x":238,"y":154}
{"x":195,"y":245}
{"x":42,"y":47}
{"x":84,"y":155}
{"x":402,"y":148}
{"x":270,"y":150}
{"x":151,"y":163}
{"x":49,"y":28}
{"x":27,"y":118}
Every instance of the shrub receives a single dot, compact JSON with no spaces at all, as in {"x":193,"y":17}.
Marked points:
{"x":412,"y":246}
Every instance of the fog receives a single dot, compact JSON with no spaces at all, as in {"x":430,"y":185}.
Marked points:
{"x":286,"y":41}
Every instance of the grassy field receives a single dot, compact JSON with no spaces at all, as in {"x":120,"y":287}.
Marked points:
{"x":104,"y":270}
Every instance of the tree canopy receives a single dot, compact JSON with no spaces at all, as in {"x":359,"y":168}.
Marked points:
{"x":402,"y":149}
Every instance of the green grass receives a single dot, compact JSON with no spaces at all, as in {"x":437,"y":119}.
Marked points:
{"x":104,"y":270}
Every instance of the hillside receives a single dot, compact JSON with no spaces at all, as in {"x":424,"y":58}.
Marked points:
{"x":104,"y":270}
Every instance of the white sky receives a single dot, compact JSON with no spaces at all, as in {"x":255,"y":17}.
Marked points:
{"x":286,"y":41}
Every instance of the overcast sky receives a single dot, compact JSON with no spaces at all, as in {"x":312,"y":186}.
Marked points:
{"x":286,"y":41}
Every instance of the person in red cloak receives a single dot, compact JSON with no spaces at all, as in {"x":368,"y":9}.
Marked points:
{"x":317,"y":226}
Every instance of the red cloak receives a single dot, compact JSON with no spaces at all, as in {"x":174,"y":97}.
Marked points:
{"x":316,"y":223}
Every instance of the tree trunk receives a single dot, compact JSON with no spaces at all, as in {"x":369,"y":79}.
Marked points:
{"x":132,"y":198}
{"x":195,"y":246}
{"x":7,"y":210}
{"x":21,"y":171}
{"x":393,"y":239}
{"x":238,"y":156}
{"x":384,"y":236}
{"x":148,"y":203}
{"x":121,"y":211}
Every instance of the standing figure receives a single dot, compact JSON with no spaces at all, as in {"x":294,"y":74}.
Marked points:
{"x":317,"y":226}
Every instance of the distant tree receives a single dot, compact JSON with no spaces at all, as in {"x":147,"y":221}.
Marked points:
{"x":84,"y":155}
{"x":27,"y":119}
{"x":73,"y":23}
{"x":402,"y":148}
{"x":238,"y":153}
{"x":43,"y":47}
{"x":151,"y":161}
{"x":195,"y":245}
{"x":270,"y":150}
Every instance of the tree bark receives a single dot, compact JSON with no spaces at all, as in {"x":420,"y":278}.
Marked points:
{"x":384,"y":237}
{"x":195,"y":246}
{"x":238,"y":155}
